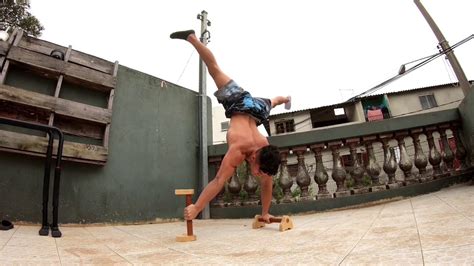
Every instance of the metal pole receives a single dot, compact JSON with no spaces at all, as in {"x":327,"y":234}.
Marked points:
{"x":203,"y":154}
{"x":465,"y":85}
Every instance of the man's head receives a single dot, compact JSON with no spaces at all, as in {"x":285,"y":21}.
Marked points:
{"x":269,"y":159}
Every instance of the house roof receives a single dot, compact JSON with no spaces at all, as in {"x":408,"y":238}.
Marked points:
{"x":346,"y":103}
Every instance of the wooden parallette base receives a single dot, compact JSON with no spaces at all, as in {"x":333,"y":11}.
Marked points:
{"x":286,"y":223}
{"x":186,"y":238}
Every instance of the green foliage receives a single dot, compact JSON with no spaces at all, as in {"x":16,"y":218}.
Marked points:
{"x":277,"y":190}
{"x":350,"y":182}
{"x":296,"y":193}
{"x":15,"y":14}
{"x":366,"y":181}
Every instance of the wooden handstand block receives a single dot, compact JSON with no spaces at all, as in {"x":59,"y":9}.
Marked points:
{"x":285,"y":222}
{"x":272,"y":219}
{"x":189,"y":223}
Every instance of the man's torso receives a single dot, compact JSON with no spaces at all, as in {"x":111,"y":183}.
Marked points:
{"x":243,"y":135}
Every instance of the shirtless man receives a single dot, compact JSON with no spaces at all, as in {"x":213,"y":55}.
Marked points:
{"x":243,"y":139}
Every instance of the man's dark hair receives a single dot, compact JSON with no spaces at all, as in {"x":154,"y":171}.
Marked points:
{"x":269,"y":159}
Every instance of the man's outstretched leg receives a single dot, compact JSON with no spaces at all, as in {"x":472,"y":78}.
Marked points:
{"x":219,"y":77}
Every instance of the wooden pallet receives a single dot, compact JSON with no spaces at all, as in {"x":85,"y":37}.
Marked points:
{"x":89,"y":123}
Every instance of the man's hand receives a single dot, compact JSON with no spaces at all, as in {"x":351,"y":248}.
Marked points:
{"x":190,"y":212}
{"x":266,"y":217}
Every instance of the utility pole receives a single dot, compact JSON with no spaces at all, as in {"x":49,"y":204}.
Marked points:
{"x":446,"y":49}
{"x":203,"y":154}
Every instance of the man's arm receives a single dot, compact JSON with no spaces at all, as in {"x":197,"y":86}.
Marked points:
{"x":232,"y":159}
{"x":266,"y":185}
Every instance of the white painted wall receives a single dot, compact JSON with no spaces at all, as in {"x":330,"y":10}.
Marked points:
{"x":218,"y":116}
{"x":409,"y":103}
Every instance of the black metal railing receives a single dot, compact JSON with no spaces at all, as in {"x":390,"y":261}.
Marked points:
{"x":51,"y":132}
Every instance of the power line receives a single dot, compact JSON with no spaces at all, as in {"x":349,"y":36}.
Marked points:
{"x":426,"y":61}
{"x":185,"y":66}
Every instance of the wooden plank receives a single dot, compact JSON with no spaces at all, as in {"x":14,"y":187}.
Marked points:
{"x":18,"y":37}
{"x":12,"y":36}
{"x":39,"y":61}
{"x":3,"y":74}
{"x":39,"y":46}
{"x":105,"y":143}
{"x":80,"y":58}
{"x":59,"y":106}
{"x":79,"y":128}
{"x":59,"y":83}
{"x":181,"y":192}
{"x":89,"y":77}
{"x":23,"y":112}
{"x":34,"y":145}
{"x":77,"y":74}
{"x":4,"y":46}
{"x":93,"y":62}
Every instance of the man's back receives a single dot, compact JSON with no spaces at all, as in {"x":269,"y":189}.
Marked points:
{"x":243,"y":135}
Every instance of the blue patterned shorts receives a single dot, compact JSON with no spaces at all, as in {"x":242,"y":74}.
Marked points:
{"x":237,"y":101}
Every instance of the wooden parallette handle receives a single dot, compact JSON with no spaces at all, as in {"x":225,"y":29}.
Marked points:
{"x":285,"y":222}
{"x":272,"y":220}
{"x":188,"y":193}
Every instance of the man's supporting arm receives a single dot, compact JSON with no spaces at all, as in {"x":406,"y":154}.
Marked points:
{"x":230,"y":162}
{"x":266,"y":183}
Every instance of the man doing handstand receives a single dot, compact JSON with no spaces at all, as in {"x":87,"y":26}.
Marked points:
{"x":244,"y":140}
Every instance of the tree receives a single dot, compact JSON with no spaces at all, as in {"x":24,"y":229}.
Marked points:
{"x":15,"y":14}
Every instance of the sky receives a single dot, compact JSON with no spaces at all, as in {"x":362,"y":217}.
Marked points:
{"x":319,"y":52}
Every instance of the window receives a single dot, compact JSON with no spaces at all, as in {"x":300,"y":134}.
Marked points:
{"x":224,"y":126}
{"x":428,"y":101}
{"x":285,"y":126}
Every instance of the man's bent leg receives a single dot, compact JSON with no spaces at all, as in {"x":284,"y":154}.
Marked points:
{"x":219,"y":77}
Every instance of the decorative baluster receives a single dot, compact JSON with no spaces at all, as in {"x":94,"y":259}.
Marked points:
{"x":216,"y":161}
{"x":446,"y":154}
{"x":234,"y":188}
{"x":390,"y":163}
{"x":434,"y":156}
{"x":320,"y":175}
{"x":421,"y":161}
{"x":373,"y":168}
{"x":461,"y":153}
{"x":357,"y":170}
{"x":302,"y":177}
{"x":338,"y":172}
{"x":284,"y":179}
{"x":405,"y":162}
{"x":251,"y":186}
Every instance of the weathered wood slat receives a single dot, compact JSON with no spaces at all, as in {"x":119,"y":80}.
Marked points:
{"x":91,"y":61}
{"x":22,"y":143}
{"x":37,"y":60}
{"x":4,"y":46}
{"x":44,"y":47}
{"x":79,"y":128}
{"x":77,"y":74}
{"x":39,"y":46}
{"x":92,"y":78}
{"x":59,"y":106}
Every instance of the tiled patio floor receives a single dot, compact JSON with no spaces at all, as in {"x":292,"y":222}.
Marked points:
{"x":436,"y":228}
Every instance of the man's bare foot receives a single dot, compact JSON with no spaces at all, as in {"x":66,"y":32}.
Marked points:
{"x":190,"y":212}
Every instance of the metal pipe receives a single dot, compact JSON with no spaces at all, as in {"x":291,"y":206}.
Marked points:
{"x":203,"y":142}
{"x":465,"y":85}
{"x":51,"y":131}
{"x":44,"y":231}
